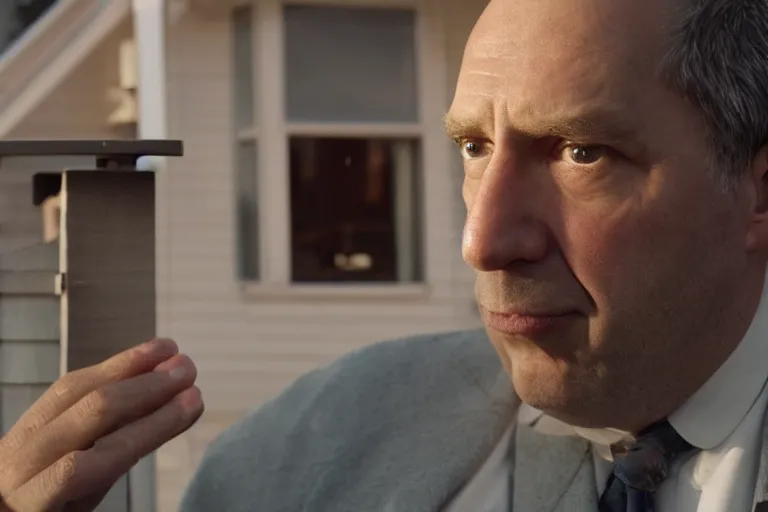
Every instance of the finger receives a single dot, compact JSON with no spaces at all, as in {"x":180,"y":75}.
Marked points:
{"x":70,"y":388}
{"x":96,"y":415}
{"x":75,"y":476}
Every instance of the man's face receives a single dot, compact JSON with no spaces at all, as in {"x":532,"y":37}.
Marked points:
{"x":607,"y":257}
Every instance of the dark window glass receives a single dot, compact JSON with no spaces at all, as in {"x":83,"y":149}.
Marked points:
{"x":355,"y":210}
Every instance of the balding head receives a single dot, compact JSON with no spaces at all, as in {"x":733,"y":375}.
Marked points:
{"x":605,"y":252}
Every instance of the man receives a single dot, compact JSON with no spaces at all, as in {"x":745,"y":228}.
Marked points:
{"x":616,"y":159}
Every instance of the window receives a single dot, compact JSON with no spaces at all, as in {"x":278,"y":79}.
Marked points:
{"x":334,"y":192}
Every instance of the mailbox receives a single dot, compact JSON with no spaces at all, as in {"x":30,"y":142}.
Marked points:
{"x":85,"y":290}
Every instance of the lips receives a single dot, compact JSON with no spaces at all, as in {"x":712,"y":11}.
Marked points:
{"x":525,"y":324}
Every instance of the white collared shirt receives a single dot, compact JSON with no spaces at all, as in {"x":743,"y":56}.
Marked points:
{"x":724,"y":418}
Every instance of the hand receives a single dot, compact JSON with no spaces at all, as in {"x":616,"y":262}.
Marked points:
{"x":92,"y":425}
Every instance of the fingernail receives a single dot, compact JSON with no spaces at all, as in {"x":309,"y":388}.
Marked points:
{"x":157,"y":345}
{"x":178,"y":373}
{"x":190,"y":399}
{"x":166,"y":344}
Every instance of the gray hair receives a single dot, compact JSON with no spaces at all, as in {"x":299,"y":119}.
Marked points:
{"x":718,"y":61}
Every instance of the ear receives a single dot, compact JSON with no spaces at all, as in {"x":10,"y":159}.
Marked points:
{"x":757,"y":234}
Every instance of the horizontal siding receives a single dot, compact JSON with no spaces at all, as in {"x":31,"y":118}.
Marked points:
{"x":29,"y":318}
{"x":29,"y":312}
{"x":29,"y":362}
{"x":29,"y":254}
{"x":21,"y":224}
{"x":27,"y":282}
{"x":15,"y":399}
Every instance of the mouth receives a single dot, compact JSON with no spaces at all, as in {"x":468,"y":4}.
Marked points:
{"x":525,"y":323}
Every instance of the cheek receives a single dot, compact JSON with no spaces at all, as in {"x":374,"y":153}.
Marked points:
{"x":614,"y":254}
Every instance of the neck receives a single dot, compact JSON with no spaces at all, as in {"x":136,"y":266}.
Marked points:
{"x":713,"y":345}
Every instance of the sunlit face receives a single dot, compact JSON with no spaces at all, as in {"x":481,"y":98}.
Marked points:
{"x":607,"y":257}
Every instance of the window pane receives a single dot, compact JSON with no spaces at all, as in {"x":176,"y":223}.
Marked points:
{"x":242,"y":47}
{"x":355,"y":210}
{"x":247,"y":212}
{"x":350,"y":64}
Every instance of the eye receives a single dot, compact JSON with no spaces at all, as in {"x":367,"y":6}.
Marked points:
{"x":471,"y":149}
{"x":585,"y":155}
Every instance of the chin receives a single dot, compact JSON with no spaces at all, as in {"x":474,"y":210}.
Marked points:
{"x":563,"y":388}
{"x":554,"y":374}
{"x":541,"y":384}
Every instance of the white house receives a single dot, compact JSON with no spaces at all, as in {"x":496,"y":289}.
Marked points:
{"x":317,"y":208}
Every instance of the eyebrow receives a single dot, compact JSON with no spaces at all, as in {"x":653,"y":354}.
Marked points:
{"x":461,"y":126}
{"x":598,"y":125}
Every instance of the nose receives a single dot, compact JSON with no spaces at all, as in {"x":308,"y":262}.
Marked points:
{"x":503,"y":226}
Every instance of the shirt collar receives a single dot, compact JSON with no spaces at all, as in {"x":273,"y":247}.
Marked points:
{"x":711,"y":414}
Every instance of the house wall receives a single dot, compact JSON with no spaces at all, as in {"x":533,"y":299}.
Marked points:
{"x":248,"y":347}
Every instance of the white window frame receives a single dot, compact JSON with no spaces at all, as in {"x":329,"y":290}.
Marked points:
{"x":272,"y":149}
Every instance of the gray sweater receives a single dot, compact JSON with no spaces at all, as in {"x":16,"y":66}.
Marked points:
{"x":397,"y":426}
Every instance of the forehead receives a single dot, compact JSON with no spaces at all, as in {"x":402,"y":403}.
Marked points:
{"x":549,"y":57}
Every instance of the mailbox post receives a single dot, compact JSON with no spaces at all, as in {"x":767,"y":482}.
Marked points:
{"x":104,"y":218}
